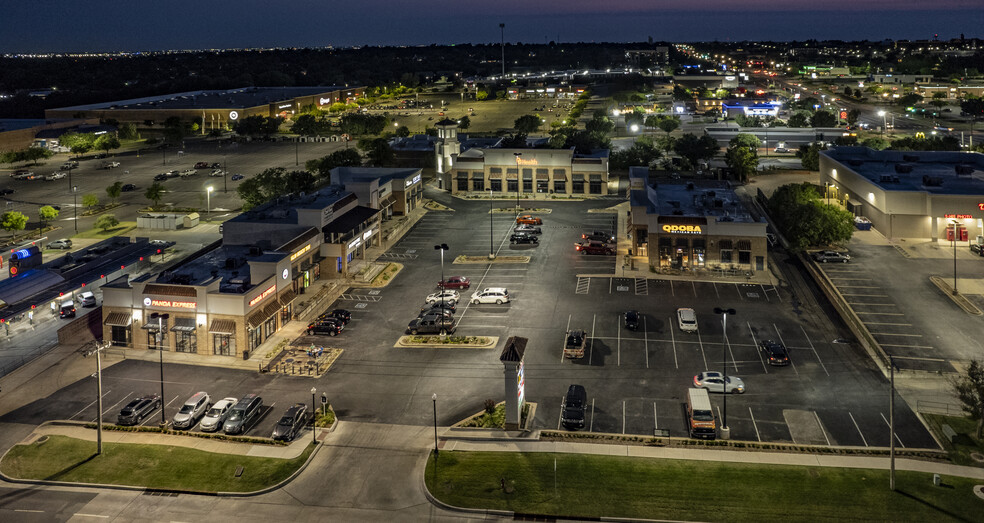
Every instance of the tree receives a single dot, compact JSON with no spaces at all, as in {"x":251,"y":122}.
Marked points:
{"x":33,"y":154}
{"x":746,"y":140}
{"x":823,"y":119}
{"x":107,"y":222}
{"x":90,"y":200}
{"x":310,"y":125}
{"x":809,"y":155}
{"x":853,"y":116}
{"x":909,"y":100}
{"x":642,"y":153}
{"x":634,"y":117}
{"x":600,"y":124}
{"x":748,"y":121}
{"x":973,"y":107}
{"x":78,"y":143}
{"x":107,"y":142}
{"x":481,"y":95}
{"x":402,"y":131}
{"x":463,"y":123}
{"x":378,"y":152}
{"x":970,"y":392}
{"x":114,"y":191}
{"x":13,"y":221}
{"x":155,"y":193}
{"x":526,"y":124}
{"x":848,"y":91}
{"x":875,"y":143}
{"x":799,"y":119}
{"x":743,"y":160}
{"x":694,"y":149}
{"x":939,"y":100}
{"x":46,"y":214}
{"x":251,"y":193}
{"x":257,"y":125}
{"x":668,"y":124}
{"x":804,"y":220}
{"x":341,"y":158}
{"x":128,"y":131}
{"x":298,"y":182}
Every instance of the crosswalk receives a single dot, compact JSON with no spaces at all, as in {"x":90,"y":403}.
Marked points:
{"x":641,"y":287}
{"x":582,"y":285}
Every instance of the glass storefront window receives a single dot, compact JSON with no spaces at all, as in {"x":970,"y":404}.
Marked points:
{"x":121,"y":336}
{"x":541,"y":185}
{"x":726,"y":256}
{"x":577,"y":187}
{"x":512,"y":185}
{"x":462,"y":184}
{"x":594,"y":186}
{"x":496,"y":185}
{"x":223,"y":345}
{"x":285,"y":313}
{"x":186,"y":341}
{"x":152,"y":341}
{"x":528,"y":185}
{"x":255,"y":337}
{"x":270,"y":326}
{"x":478,"y":184}
{"x":560,"y":186}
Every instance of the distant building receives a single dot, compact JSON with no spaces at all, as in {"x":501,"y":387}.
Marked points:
{"x":530,"y":172}
{"x":901,"y":79}
{"x":17,"y":134}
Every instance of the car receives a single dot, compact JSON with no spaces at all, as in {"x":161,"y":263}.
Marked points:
{"x":215,"y":165}
{"x":69,"y":165}
{"x":55,"y":176}
{"x":445,"y":296}
{"x":454,"y":282}
{"x":574,"y":407}
{"x":243,"y":414}
{"x":236,"y":177}
{"x":172,"y":173}
{"x":942,"y":129}
{"x":201,"y":165}
{"x":217,"y":172}
{"x":159,"y":243}
{"x":138,"y":409}
{"x":67,"y":309}
{"x":6,"y":191}
{"x":496,"y":295}
{"x":127,"y":187}
{"x":687,"y":319}
{"x":160,"y":177}
{"x":87,"y":299}
{"x":20,"y":173}
{"x":99,"y":156}
{"x":193,"y":408}
{"x":437,"y":310}
{"x":593,"y":247}
{"x":528,"y":219}
{"x":775,"y":353}
{"x":715,"y":382}
{"x":329,"y":326}
{"x":524,"y":238}
{"x":341,"y":315}
{"x":599,"y":236}
{"x":781,"y":150}
{"x":447,"y":305}
{"x":63,"y":243}
{"x":216,"y":416}
{"x":290,"y":423}
{"x":632,"y":320}
{"x":188,"y":172}
{"x":431,"y":324}
{"x":111,"y":165}
{"x":977,"y":249}
{"x":527,"y":228}
{"x":831,"y":256}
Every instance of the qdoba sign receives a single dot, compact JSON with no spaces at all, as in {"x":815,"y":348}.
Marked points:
{"x":683,"y":229}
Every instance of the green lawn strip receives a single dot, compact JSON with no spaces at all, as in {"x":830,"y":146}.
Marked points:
{"x":122,"y":228}
{"x":62,"y":458}
{"x":595,"y":486}
{"x":964,"y":443}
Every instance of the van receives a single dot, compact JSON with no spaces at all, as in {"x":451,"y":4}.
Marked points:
{"x":700,"y":417}
{"x":687,"y":319}
{"x":243,"y":414}
{"x":575,"y":403}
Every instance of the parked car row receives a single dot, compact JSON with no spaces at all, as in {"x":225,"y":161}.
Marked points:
{"x":331,"y":323}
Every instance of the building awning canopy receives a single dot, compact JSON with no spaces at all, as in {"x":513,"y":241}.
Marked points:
{"x":227,"y":327}
{"x":256,"y":319}
{"x":184,"y":325}
{"x":152,"y":325}
{"x":118,"y":319}
{"x":287,"y":296}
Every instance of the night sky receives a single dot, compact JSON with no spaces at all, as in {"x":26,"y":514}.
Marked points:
{"x":113,"y":25}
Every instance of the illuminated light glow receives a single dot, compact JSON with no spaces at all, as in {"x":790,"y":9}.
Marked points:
{"x":412,"y":181}
{"x":959,"y":216}
{"x":683,"y":229}
{"x":263,"y":294}
{"x":354,"y":243}
{"x":174,"y":304}
{"x":300,"y":252}
{"x":233,"y":115}
{"x":523,"y":161}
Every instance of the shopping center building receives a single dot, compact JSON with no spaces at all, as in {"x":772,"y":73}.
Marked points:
{"x":693,"y":226}
{"x":530,"y":171}
{"x":231,"y":296}
{"x":909,"y":194}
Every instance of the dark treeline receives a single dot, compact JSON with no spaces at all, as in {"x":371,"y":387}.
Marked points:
{"x":99,"y":79}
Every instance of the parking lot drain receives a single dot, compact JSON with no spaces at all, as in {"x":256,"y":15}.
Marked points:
{"x":622,"y":288}
{"x":361,"y":305}
{"x":752,"y":294}
{"x":239,"y":471}
{"x":374,"y":292}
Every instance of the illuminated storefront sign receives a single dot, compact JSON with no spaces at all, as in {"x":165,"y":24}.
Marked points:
{"x":324,"y":101}
{"x":980,"y":206}
{"x":521,"y":384}
{"x":300,"y":252}
{"x":233,"y":115}
{"x":683,"y":229}
{"x":285,"y":106}
{"x":264,"y":294}
{"x":170,"y":303}
{"x":412,"y":181}
{"x":366,"y":235}
{"x":959,"y":216}
{"x":524,"y":161}
{"x":354,"y":243}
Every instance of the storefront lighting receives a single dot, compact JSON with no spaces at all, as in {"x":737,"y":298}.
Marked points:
{"x":200,"y":319}
{"x":137,"y":315}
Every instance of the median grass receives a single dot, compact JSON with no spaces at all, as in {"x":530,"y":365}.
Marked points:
{"x":595,"y":486}
{"x":61,"y":458}
{"x":99,"y":234}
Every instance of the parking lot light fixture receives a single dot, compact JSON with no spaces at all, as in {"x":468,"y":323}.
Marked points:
{"x":160,"y":348}
{"x":725,"y":432}
{"x":442,"y":247}
{"x":434,"y":399}
{"x":314,"y":417}
{"x":208,"y":203}
{"x":519,"y":181}
{"x":491,"y":248}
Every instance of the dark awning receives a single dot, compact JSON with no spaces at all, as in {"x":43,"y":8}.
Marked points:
{"x":152,"y":325}
{"x":256,"y":319}
{"x":118,"y":319}
{"x":227,"y":327}
{"x":271,"y":308}
{"x":286,"y":297}
{"x":184,"y":325}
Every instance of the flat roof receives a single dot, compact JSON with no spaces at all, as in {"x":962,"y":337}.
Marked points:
{"x":228,"y":262}
{"x":284,"y":208}
{"x":365,"y":174}
{"x":239,"y":98}
{"x":911,"y":170}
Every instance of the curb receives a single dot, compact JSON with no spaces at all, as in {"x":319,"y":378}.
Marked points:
{"x":494,"y":340}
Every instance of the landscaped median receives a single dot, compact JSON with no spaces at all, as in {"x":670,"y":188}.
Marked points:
{"x":576,"y":485}
{"x":450,"y":342}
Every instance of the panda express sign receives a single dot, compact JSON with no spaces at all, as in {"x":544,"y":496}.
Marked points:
{"x":683,"y":226}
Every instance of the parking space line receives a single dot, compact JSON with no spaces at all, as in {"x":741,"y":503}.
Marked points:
{"x":911,"y":347}
{"x":896,"y":334}
{"x":885,"y":323}
{"x":563,"y":342}
{"x":89,"y":405}
{"x":655,"y":417}
{"x":858,"y":428}
{"x":897,"y":438}
{"x":672,"y":293}
{"x":791,"y":364}
{"x":765,"y":292}
{"x":865,"y":295}
{"x":591,"y":425}
{"x":672,"y":340}
{"x":757,"y":435}
{"x":623,"y":416}
{"x":113,"y":407}
{"x":693,"y":287}
{"x":738,"y":292}
{"x":591,"y":341}
{"x":702,"y":355}
{"x":865,"y":304}
{"x":618,"y":344}
{"x":881,"y":313}
{"x":822,"y":430}
{"x":717,"y":293}
{"x":817,"y":354}
{"x":560,"y":417}
{"x":610,"y":281}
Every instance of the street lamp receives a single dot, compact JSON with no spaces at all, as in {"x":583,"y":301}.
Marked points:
{"x":75,"y":208}
{"x":884,"y":120}
{"x":434,"y":399}
{"x":519,"y":181}
{"x":502,"y":35}
{"x":725,"y":431}
{"x":314,"y":418}
{"x":491,"y":249}
{"x":208,"y":203}
{"x":99,"y":403}
{"x":160,"y":348}
{"x":442,"y":247}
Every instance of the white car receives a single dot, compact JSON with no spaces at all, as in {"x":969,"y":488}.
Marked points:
{"x":446,"y":296}
{"x":497,"y":295}
{"x":687,"y":319}
{"x":55,"y":176}
{"x":714,"y":382}
{"x":217,"y":172}
{"x":87,"y":299}
{"x":217,"y":415}
{"x":188,"y":172}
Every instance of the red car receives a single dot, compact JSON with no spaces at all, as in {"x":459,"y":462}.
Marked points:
{"x":593,"y":247}
{"x":455,"y":282}
{"x":529,"y":219}
{"x":201,"y":165}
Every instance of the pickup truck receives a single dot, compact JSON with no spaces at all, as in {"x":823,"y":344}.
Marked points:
{"x":431,"y":324}
{"x":188,"y":172}
{"x":574,"y":344}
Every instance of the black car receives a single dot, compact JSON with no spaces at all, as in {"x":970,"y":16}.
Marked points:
{"x":977,"y":249}
{"x":632,"y":320}
{"x":329,"y":326}
{"x":431,"y":324}
{"x":449,"y":306}
{"x":598,"y":236}
{"x":774,"y":352}
{"x":518,"y":238}
{"x":341,"y":314}
{"x":128,"y":187}
{"x":138,"y":409}
{"x":448,"y":314}
{"x":5,"y":192}
{"x":290,"y":424}
{"x":216,"y":165}
{"x":160,"y":177}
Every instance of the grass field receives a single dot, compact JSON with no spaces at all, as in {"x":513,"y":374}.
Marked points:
{"x":964,"y":443}
{"x":61,"y":458}
{"x":595,"y":486}
{"x":119,"y":230}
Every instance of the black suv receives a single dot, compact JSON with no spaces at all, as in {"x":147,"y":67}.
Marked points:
{"x":522,"y":237}
{"x":431,"y":324}
{"x":341,"y":315}
{"x":599,"y":236}
{"x":775,"y":353}
{"x":329,"y":326}
{"x":977,"y":249}
{"x":135,"y":411}
{"x":632,"y":320}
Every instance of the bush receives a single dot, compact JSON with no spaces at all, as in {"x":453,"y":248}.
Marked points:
{"x":489,"y":406}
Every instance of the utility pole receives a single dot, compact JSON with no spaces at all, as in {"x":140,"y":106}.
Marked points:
{"x":502,"y":35}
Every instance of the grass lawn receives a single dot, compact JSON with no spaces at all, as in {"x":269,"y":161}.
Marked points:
{"x":594,"y":486}
{"x":122,"y":228}
{"x":61,"y":458}
{"x":964,"y":443}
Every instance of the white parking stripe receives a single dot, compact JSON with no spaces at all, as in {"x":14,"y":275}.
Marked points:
{"x":655,"y":417}
{"x":822,"y":430}
{"x":89,"y":405}
{"x":591,"y":342}
{"x":618,"y":345}
{"x":895,"y":434}
{"x":701,"y":342}
{"x":757,"y":435}
{"x":859,"y":429}
{"x":563,"y":342}
{"x":623,"y":416}
{"x":791,"y":363}
{"x":757,"y":351}
{"x":591,"y":425}
{"x":817,"y":354}
{"x":560,"y":417}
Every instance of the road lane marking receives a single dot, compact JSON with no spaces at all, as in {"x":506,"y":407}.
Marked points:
{"x":858,"y":428}
{"x":757,"y":435}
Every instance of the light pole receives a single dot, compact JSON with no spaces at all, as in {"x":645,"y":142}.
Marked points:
{"x":519,"y":181}
{"x":314,"y":418}
{"x":208,"y":203}
{"x":955,"y":259}
{"x":891,"y":423}
{"x":442,"y":247}
{"x":75,"y":208}
{"x":434,"y":399}
{"x":502,"y":36}
{"x":99,"y":403}
{"x":491,"y":249}
{"x":725,"y":431}
{"x":884,"y":121}
{"x":160,"y":348}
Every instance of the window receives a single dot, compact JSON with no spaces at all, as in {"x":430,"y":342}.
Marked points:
{"x":577,"y":187}
{"x":152,"y":340}
{"x":594,"y":185}
{"x":121,"y":336}
{"x":541,"y":185}
{"x":270,"y":326}
{"x":255,"y":338}
{"x":527,"y":180}
{"x":512,"y":185}
{"x":560,"y":186}
{"x":495,"y":184}
{"x":478,"y":182}
{"x":223,"y":345}
{"x":185,"y":341}
{"x":462,"y":184}
{"x":285,"y":313}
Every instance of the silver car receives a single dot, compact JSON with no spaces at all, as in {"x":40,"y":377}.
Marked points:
{"x":714,"y":382}
{"x":192,"y":409}
{"x":217,"y":415}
